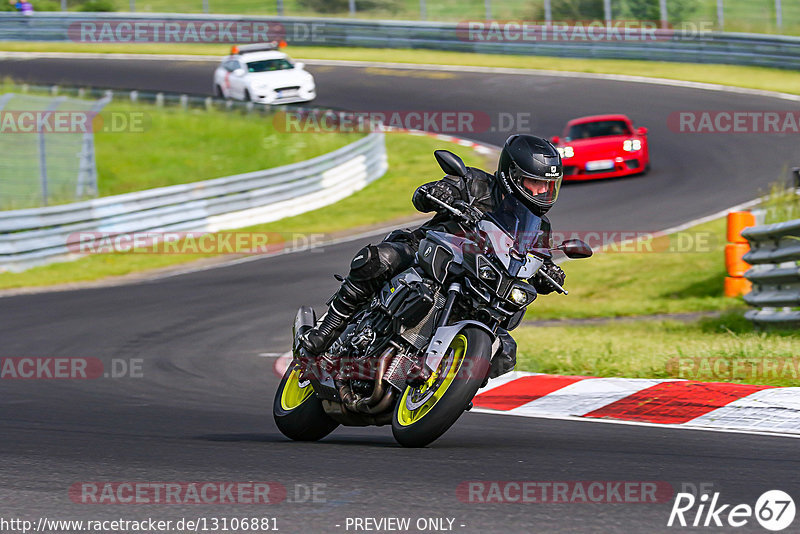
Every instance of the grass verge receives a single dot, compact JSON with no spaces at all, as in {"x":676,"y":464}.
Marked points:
{"x":724,"y":349}
{"x":411,"y":163}
{"x":680,"y":273}
{"x":638,"y":285}
{"x":175,"y":145}
{"x":739,"y":76}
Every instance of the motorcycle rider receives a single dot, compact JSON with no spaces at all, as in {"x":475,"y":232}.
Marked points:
{"x":529,"y":169}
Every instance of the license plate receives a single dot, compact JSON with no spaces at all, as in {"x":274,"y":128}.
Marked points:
{"x":600,"y":165}
{"x":290,"y":92}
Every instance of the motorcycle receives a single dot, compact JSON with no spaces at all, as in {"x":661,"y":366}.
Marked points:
{"x":417,"y":354}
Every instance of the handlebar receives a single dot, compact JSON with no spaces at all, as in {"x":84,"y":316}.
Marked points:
{"x":553,"y":283}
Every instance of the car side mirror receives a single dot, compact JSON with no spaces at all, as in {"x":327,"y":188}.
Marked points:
{"x":641,"y":131}
{"x":575,"y":249}
{"x":238,"y":72}
{"x":299,"y":65}
{"x":450,"y":163}
{"x":555,"y":139}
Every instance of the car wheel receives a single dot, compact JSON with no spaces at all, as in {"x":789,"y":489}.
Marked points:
{"x":247,"y":97}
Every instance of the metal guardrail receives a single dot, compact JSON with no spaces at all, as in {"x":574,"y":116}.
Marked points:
{"x":36,"y":236}
{"x":668,"y":45}
{"x":775,"y":275}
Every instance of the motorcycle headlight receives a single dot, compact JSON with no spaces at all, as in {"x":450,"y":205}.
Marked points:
{"x":631,"y":145}
{"x":518,"y":296}
{"x":487,"y":273}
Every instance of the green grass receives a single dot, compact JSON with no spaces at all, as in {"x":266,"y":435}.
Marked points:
{"x":733,"y":75}
{"x":178,"y":146}
{"x":616,"y":284}
{"x":724,"y":349}
{"x":411,"y":163}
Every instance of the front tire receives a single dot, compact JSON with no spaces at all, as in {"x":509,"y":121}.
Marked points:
{"x":424,"y":413}
{"x":297,"y":411}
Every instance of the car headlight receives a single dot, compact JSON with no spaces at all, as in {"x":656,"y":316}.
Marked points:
{"x":566,"y":152}
{"x":631,"y":145}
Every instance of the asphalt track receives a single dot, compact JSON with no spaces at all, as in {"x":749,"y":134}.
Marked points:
{"x":201,"y":410}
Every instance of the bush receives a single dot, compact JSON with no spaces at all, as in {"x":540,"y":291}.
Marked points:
{"x":46,"y":5}
{"x":340,"y":6}
{"x":646,"y":10}
{"x":97,"y":5}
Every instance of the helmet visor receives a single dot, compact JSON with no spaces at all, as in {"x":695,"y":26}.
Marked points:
{"x":541,"y":190}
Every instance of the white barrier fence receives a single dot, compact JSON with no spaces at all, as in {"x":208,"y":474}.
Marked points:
{"x":37,"y":236}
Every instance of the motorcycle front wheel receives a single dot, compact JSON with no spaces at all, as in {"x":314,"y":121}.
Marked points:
{"x":424,"y":413}
{"x":297,"y":411}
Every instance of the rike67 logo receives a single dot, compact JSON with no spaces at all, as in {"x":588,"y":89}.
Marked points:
{"x":774,"y":510}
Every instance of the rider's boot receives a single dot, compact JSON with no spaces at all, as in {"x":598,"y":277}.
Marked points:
{"x":341,"y":307}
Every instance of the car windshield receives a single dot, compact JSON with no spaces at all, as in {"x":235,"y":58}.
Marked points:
{"x":269,"y":65}
{"x":587,"y":130}
{"x":518,"y":222}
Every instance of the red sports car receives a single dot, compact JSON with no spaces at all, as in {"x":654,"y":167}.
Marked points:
{"x":603,"y":146}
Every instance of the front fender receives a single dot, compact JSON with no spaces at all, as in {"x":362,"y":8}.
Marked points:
{"x":445,"y":335}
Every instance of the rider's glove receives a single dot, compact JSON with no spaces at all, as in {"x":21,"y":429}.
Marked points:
{"x":441,"y":192}
{"x":542,"y":285}
{"x":471,"y":213}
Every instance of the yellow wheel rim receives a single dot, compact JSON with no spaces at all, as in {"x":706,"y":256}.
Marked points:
{"x":440,"y":379}
{"x":294,"y":394}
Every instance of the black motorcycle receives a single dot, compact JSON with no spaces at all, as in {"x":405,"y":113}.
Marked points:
{"x":418,"y":353}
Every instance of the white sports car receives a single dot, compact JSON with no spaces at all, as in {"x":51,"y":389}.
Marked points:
{"x":260,"y":73}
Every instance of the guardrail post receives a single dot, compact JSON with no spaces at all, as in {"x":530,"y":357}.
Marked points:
{"x":351,"y":4}
{"x":423,"y":12}
{"x":721,"y":14}
{"x":735,"y":283}
{"x":662,"y":8}
{"x":778,"y":15}
{"x":487,"y":5}
{"x":607,"y":11}
{"x":279,"y":8}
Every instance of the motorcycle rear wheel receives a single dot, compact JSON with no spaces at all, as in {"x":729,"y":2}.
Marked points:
{"x":424,"y":413}
{"x":297,"y":411}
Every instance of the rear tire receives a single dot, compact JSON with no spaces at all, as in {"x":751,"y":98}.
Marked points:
{"x":298,"y":412}
{"x":459,"y":377}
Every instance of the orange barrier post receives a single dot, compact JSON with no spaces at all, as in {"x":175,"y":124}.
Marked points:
{"x":737,"y":247}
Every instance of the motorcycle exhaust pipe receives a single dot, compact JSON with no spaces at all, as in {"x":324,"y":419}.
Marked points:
{"x":377,"y":398}
{"x":377,"y":391}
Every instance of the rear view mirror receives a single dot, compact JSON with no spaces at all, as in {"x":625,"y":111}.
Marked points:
{"x":450,"y":163}
{"x":641,"y":131}
{"x":300,"y":65}
{"x":575,"y":249}
{"x":238,"y":72}
{"x":555,"y":139}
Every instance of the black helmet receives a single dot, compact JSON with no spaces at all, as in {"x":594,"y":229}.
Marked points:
{"x":530,"y":170}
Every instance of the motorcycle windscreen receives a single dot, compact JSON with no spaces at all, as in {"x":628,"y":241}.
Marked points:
{"x":524,"y":228}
